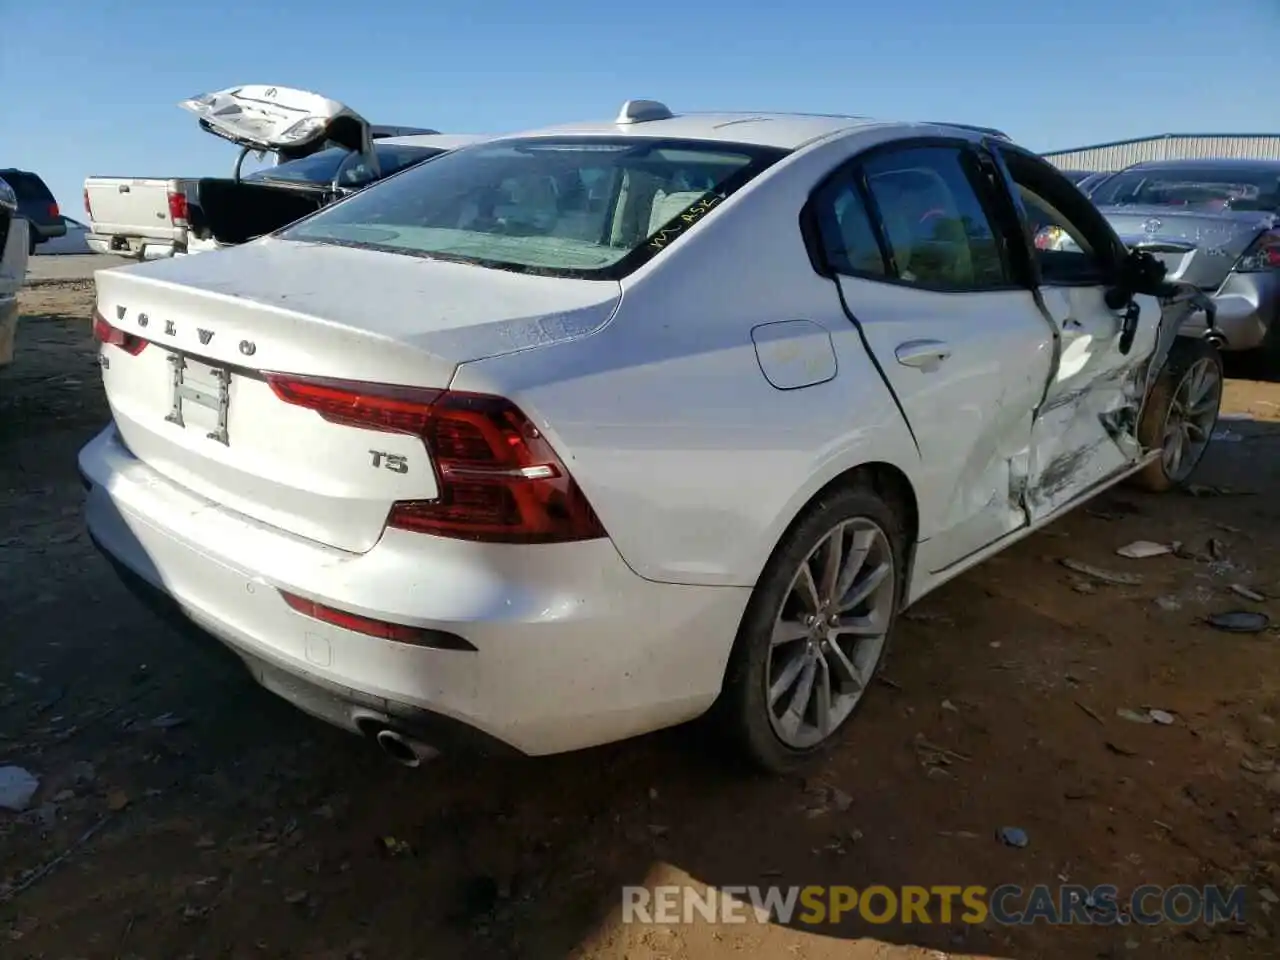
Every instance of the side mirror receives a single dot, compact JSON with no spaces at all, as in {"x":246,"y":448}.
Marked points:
{"x":1138,"y":272}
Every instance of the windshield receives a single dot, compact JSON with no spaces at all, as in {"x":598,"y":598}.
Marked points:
{"x":323,"y":166}
{"x":1202,"y":189}
{"x":577,"y":207}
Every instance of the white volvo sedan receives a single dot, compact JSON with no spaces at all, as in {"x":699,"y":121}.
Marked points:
{"x":572,"y":435}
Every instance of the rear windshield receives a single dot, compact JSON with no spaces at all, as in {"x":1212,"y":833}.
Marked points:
{"x":351,"y":169}
{"x":1207,"y":188}
{"x":574,"y":207}
{"x":27,"y":186}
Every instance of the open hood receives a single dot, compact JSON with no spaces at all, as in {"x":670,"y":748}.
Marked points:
{"x":281,"y":120}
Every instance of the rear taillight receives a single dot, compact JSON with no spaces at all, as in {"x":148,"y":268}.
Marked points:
{"x":54,"y":212}
{"x":88,"y":210}
{"x":104,"y":332}
{"x":178,"y":208}
{"x":500,"y":481}
{"x":1263,"y":254}
{"x":382,"y":629}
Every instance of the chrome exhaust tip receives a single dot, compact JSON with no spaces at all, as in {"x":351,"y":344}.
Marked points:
{"x":402,"y":749}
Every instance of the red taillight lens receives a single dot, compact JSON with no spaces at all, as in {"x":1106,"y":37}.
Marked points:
{"x":54,"y":212}
{"x":104,"y":332}
{"x":383,"y":630}
{"x":1263,"y":254}
{"x":500,"y":480}
{"x":88,"y":210}
{"x":178,"y":209}
{"x":367,"y":405}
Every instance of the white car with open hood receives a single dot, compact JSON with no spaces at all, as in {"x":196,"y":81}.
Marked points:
{"x":568,"y":436}
{"x":322,"y":149}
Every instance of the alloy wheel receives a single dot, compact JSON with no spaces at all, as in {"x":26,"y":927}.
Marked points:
{"x":1189,"y":422}
{"x":829,"y":632}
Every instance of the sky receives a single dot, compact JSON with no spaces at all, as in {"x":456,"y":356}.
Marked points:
{"x":91,"y":86}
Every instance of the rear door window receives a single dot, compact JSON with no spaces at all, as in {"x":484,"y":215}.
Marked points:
{"x":935,"y":225}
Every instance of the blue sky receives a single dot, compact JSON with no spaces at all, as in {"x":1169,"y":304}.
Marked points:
{"x":100,"y":78}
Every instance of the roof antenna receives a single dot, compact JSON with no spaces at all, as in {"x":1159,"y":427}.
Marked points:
{"x":640,"y":111}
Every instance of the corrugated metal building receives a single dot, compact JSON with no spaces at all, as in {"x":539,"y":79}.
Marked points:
{"x":1168,"y":146}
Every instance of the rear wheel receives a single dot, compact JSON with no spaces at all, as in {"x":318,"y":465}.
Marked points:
{"x":815,"y":629}
{"x":1181,"y":414}
{"x":31,"y":242}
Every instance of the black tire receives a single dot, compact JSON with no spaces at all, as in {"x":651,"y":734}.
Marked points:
{"x":31,"y":242}
{"x":743,"y":711}
{"x":1187,"y":353}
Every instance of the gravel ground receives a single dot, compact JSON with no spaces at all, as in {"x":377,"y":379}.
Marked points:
{"x":70,"y":267}
{"x":183,"y":812}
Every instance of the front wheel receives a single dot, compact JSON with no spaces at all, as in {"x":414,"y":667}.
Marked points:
{"x":815,"y":629}
{"x":1181,"y":414}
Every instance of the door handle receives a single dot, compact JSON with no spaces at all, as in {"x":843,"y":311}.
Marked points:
{"x":922,"y":354}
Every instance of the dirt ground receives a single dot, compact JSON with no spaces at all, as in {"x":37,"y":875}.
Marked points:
{"x":183,"y":812}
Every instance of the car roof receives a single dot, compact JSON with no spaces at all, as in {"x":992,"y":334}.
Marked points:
{"x":441,"y":141}
{"x":16,"y":173}
{"x":784,"y":130}
{"x":650,"y":119}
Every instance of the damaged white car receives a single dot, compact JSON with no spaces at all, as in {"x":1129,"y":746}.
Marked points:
{"x":568,"y":436}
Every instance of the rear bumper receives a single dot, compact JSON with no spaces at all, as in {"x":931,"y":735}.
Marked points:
{"x":8,"y":327}
{"x":47,"y":231}
{"x":334,"y":703}
{"x":572,"y":648}
{"x":145,"y":248}
{"x":1248,"y":306}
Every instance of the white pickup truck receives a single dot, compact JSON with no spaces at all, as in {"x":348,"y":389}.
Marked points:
{"x":156,"y":217}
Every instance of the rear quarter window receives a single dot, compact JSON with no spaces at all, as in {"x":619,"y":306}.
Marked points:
{"x":27,"y":186}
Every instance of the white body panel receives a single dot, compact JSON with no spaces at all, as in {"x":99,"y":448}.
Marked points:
{"x":280,"y":467}
{"x":971,"y":415}
{"x":13,"y":271}
{"x":701,"y":402}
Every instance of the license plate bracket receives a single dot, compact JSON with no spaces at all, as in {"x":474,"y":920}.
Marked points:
{"x":217,"y":399}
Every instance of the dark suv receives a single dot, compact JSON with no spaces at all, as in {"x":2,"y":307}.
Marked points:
{"x":36,"y":203}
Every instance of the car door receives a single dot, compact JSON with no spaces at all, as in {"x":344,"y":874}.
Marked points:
{"x":1083,"y":432}
{"x":909,"y":234}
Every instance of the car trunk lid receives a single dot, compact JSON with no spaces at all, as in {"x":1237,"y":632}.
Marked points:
{"x":1197,"y":247}
{"x":283,"y":120}
{"x":195,"y":404}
